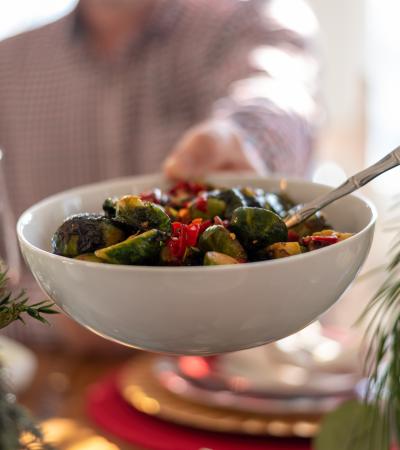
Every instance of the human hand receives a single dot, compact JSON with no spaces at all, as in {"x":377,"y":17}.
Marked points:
{"x":216,"y":145}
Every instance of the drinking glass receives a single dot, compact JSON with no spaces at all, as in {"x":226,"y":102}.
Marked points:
{"x":9,"y":251}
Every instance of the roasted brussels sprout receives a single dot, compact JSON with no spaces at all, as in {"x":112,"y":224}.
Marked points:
{"x":233,"y":199}
{"x":218,"y":239}
{"x":142,"y":215}
{"x":218,"y":259}
{"x":139,"y":249}
{"x":254,"y":197}
{"x":257,"y":227}
{"x":109,"y":207}
{"x":206,"y":208}
{"x":284,"y":249}
{"x":85,"y":233}
{"x":193,"y":257}
{"x":278,"y":203}
{"x":314,"y":224}
{"x":90,"y":257}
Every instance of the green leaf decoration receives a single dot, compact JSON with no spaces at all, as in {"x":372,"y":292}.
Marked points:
{"x":17,"y":430}
{"x":353,"y":426}
{"x":13,"y":306}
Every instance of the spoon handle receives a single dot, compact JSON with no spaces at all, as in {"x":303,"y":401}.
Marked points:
{"x":353,"y":183}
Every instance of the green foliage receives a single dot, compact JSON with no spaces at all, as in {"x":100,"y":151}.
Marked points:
{"x":13,"y":306}
{"x":353,"y":426}
{"x":382,"y":367}
{"x":17,"y":430}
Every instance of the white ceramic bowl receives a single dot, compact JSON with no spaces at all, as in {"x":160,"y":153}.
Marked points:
{"x":195,"y":310}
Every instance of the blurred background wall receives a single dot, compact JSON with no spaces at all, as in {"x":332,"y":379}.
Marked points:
{"x":359,"y":44}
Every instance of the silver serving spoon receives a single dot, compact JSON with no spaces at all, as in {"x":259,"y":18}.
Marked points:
{"x":303,"y":212}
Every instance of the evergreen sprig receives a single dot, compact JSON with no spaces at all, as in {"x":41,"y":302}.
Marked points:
{"x":382,"y":362}
{"x":13,"y":306}
{"x":17,"y":430}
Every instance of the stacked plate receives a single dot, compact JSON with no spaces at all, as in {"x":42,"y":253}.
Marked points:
{"x":282,"y":389}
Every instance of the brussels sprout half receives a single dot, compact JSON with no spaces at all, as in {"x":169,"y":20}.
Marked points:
{"x":280,"y":204}
{"x":218,"y":259}
{"x":207,"y":208}
{"x":233,"y":199}
{"x":142,"y":215}
{"x":257,"y":227}
{"x":314,"y":224}
{"x":109,"y":207}
{"x":284,"y":249}
{"x":140,"y":249}
{"x":218,"y":239}
{"x":85,"y":233}
{"x":254,"y":197}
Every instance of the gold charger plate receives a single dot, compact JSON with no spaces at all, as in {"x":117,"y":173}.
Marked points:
{"x":140,"y":388}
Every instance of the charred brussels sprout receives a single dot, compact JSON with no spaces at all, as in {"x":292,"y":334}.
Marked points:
{"x":140,"y":249}
{"x":254,"y":197}
{"x":257,"y":227}
{"x":218,"y":259}
{"x":278,"y":203}
{"x":284,"y":249}
{"x":315,"y":223}
{"x":218,"y":239}
{"x":85,"y":233}
{"x":141,"y":215}
{"x":207,"y":208}
{"x":233,"y":199}
{"x":109,"y":207}
{"x":193,"y":257}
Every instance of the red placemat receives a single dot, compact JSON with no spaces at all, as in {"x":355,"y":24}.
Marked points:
{"x":108,"y":409}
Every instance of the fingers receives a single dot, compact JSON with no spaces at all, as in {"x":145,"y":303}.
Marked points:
{"x":213,"y":146}
{"x":196,"y":154}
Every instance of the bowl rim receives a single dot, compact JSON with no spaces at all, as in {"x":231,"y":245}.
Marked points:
{"x":185,"y":269}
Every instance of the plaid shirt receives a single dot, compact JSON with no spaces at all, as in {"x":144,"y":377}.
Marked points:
{"x":67,"y":118}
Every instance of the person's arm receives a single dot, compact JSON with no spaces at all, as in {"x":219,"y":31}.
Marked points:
{"x":264,"y":74}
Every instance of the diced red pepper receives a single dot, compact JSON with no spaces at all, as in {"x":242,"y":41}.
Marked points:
{"x":204,"y":226}
{"x":197,"y":187}
{"x":154,"y":196}
{"x":184,"y":236}
{"x":293,"y":236}
{"x":201,"y":204}
{"x":192,"y":234}
{"x":185,"y":186}
{"x":181,"y":186}
{"x":218,"y":221}
{"x":148,"y":196}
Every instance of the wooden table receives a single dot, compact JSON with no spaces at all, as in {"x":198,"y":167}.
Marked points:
{"x":58,"y":391}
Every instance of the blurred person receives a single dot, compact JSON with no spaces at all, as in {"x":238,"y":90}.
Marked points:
{"x":122,"y":87}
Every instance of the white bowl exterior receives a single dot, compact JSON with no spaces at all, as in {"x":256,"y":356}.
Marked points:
{"x":195,"y":310}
